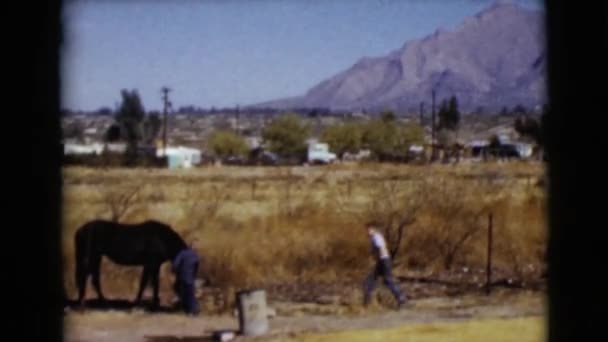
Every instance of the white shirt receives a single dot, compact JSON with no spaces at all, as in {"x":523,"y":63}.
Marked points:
{"x":379,"y":246}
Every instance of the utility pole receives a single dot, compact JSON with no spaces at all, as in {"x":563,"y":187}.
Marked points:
{"x":318,"y":117}
{"x":237,"y":119}
{"x":433,"y":153}
{"x":421,"y":111}
{"x":166,"y":103}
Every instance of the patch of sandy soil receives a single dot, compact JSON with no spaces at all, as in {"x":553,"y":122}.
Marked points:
{"x":295,"y":318}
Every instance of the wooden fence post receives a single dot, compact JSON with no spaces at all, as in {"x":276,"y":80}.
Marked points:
{"x":489,"y":257}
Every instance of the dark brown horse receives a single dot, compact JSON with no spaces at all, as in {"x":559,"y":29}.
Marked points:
{"x":148,"y":244}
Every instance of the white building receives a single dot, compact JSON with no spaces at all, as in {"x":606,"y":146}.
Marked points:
{"x":80,"y":149}
{"x":181,"y":156}
{"x":524,"y":150}
{"x":416,"y":148}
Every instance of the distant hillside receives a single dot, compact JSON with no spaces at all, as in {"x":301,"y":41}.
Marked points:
{"x":491,"y":60}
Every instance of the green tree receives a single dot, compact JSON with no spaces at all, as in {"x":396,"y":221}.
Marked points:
{"x":528,"y":127}
{"x":130,"y":116}
{"x":104,"y":111}
{"x":286,"y":135}
{"x":519,"y":109}
{"x":449,"y":115}
{"x":387,"y":137}
{"x":113,"y":133}
{"x":151,"y":127}
{"x":410,"y":134}
{"x":381,"y":137}
{"x":343,"y":138}
{"x":388,"y":116}
{"x":226,"y":143}
{"x":494,"y":142}
{"x":74,"y":130}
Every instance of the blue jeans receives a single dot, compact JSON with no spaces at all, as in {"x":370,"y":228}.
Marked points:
{"x":382,"y":269}
{"x":187,"y":298}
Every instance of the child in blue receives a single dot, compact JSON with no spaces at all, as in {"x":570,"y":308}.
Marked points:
{"x":185,"y":266}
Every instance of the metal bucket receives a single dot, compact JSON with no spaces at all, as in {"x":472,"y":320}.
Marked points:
{"x":251,"y":304}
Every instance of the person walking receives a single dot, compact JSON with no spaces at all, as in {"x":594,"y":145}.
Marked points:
{"x":382,"y":267}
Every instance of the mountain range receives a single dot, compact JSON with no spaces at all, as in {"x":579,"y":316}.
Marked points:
{"x":491,"y":60}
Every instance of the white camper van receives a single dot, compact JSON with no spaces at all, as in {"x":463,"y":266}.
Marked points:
{"x":319,"y":153}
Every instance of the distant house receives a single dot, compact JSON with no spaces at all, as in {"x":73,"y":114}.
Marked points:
{"x":476,"y":148}
{"x":259,"y":156}
{"x":180,"y":156}
{"x":90,"y":131}
{"x":360,"y":155}
{"x":116,"y":147}
{"x":253,"y":142}
{"x":507,"y":149}
{"x":418,"y":149}
{"x":512,"y":148}
{"x":525,"y":150}
{"x":82,"y":149}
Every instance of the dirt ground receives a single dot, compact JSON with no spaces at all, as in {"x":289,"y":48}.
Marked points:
{"x":294,"y":318}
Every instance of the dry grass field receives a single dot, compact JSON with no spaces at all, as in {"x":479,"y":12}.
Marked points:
{"x":304,"y":224}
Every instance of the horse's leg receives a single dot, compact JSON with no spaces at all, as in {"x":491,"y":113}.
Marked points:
{"x":96,"y":268}
{"x":154,"y":273}
{"x":81,"y":281}
{"x":142,"y":284}
{"x":82,"y":267}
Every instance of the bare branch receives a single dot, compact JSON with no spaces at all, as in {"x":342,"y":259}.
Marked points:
{"x":120,"y":202}
{"x":400,"y":230}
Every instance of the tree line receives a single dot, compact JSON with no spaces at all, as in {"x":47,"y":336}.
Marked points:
{"x":384,"y":136}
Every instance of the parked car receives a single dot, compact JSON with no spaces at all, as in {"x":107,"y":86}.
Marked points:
{"x":261,"y":157}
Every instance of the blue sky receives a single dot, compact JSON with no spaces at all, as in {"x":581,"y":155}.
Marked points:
{"x":233,"y":52}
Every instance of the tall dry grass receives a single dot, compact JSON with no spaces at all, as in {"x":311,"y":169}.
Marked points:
{"x":261,"y":225}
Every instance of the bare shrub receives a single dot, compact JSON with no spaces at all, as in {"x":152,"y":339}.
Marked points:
{"x":204,"y":205}
{"x":395,"y":204}
{"x":521,"y":237}
{"x":122,"y":200}
{"x":396,"y":208}
{"x":453,"y":218}
{"x":287,"y":205}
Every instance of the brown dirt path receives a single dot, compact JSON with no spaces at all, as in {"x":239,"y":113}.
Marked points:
{"x":295,"y":318}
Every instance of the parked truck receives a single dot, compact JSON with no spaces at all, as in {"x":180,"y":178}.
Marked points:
{"x":318,"y":153}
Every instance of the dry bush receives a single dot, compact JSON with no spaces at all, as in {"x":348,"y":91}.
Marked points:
{"x":121,"y":201}
{"x":203,"y":205}
{"x":450,"y":225}
{"x":454,"y":222}
{"x":294,"y":195}
{"x":396,"y":209}
{"x":393,"y":203}
{"x":520,"y":237}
